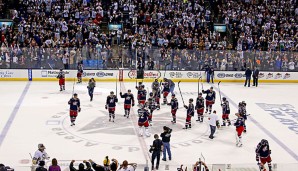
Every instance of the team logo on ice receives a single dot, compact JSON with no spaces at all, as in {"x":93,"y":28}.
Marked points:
{"x":93,"y":129}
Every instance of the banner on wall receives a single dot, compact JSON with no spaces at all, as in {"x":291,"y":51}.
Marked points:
{"x":147,"y":74}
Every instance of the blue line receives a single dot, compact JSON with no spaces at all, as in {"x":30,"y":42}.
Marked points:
{"x":266,"y":131}
{"x":13,"y":114}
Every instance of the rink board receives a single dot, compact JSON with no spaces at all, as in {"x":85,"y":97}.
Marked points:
{"x":149,"y":76}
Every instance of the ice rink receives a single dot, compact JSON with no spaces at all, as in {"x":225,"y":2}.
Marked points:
{"x":36,"y":112}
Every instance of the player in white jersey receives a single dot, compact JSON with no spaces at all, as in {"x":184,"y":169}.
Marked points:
{"x":39,"y":155}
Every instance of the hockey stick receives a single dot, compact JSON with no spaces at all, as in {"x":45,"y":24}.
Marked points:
{"x":219,"y":92}
{"x":116,"y":85}
{"x":180,"y":92}
{"x":199,"y":85}
{"x":74,"y":81}
{"x":50,"y":66}
{"x":203,"y":157}
{"x":202,"y":83}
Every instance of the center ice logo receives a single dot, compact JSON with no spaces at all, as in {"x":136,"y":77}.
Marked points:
{"x":92,"y":129}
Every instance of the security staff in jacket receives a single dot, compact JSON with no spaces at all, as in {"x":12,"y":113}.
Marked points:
{"x":255,"y":77}
{"x":248,"y":73}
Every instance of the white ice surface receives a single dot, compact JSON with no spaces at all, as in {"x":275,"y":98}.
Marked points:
{"x":43,"y":118}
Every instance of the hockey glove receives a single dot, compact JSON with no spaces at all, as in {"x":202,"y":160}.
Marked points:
{"x":133,"y":105}
{"x":106,"y":106}
{"x":185,"y":106}
{"x":79,"y":109}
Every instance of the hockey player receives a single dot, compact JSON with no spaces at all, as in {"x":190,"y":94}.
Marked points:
{"x":151,"y":106}
{"x":111,"y":105}
{"x":171,"y":84}
{"x":142,"y":95}
{"x":200,"y":107}
{"x":225,"y":112}
{"x":263,"y":155}
{"x":157,"y":98}
{"x":80,"y":73}
{"x":74,"y":103}
{"x":155,"y":86}
{"x":190,"y":113}
{"x":210,"y":99}
{"x":174,"y":107}
{"x":139,"y":88}
{"x":165,"y":92}
{"x":40,"y":155}
{"x":143,"y":120}
{"x":129,"y":100}
{"x":239,"y":129}
{"x":61,"y":77}
{"x":243,"y":112}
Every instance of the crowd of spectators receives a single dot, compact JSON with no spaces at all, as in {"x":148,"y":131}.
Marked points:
{"x":51,"y":33}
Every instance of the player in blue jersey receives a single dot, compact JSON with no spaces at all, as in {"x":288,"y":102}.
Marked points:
{"x":210,"y":99}
{"x":143,"y":120}
{"x":111,"y":105}
{"x":151,"y":106}
{"x":174,"y":107}
{"x":225,"y":112}
{"x":263,"y":155}
{"x":200,"y":107}
{"x":239,"y":124}
{"x":128,"y":102}
{"x":75,"y":104}
{"x":165,"y":92}
{"x":190,"y":113}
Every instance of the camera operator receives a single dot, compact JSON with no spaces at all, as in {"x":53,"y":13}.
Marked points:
{"x":155,"y":149}
{"x":165,"y":137}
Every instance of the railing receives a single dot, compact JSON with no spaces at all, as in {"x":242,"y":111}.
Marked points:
{"x":97,"y":57}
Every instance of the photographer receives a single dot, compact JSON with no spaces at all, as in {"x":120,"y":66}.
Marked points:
{"x":165,"y":137}
{"x":155,"y":149}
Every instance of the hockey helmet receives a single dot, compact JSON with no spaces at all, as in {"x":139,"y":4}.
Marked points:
{"x":41,"y":146}
{"x":264,"y":142}
{"x":211,"y":88}
{"x":200,"y":94}
{"x":224,"y":99}
{"x":190,"y":100}
{"x":150,"y":94}
{"x":143,"y":86}
{"x":165,"y":79}
{"x":156,"y":80}
{"x":140,"y":83}
{"x":214,"y":111}
{"x":61,"y":69}
{"x":75,"y":94}
{"x":111,"y":92}
{"x":173,"y":95}
{"x":243,"y":103}
{"x":128,"y":90}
